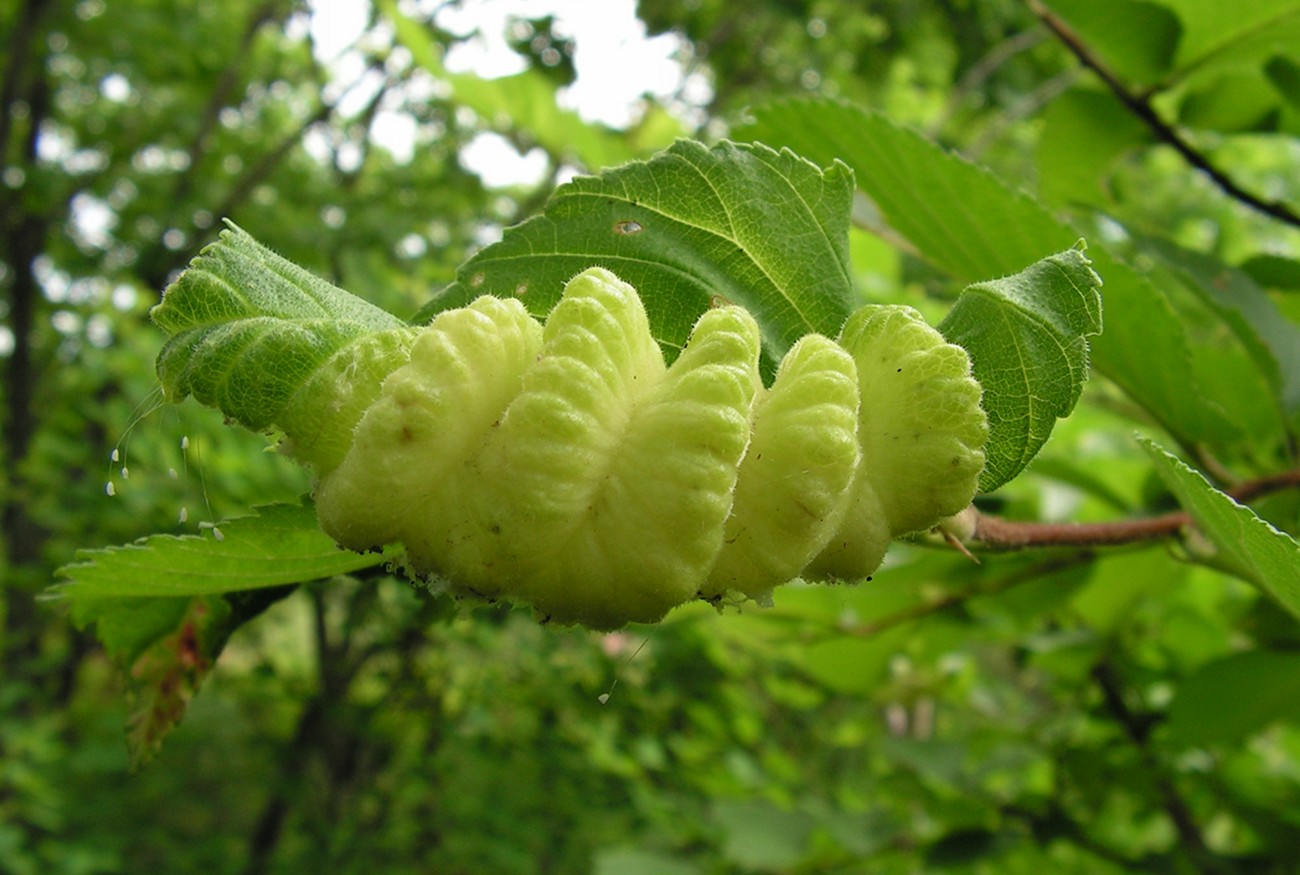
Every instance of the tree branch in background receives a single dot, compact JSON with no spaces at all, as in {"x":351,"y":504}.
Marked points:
{"x":24,"y":236}
{"x":976,"y":79}
{"x":1027,"y":107}
{"x":220,"y":98}
{"x":158,"y":263}
{"x":997,"y":533}
{"x":1137,"y":727}
{"x":23,"y":37}
{"x":1140,"y":106}
{"x":1049,"y":566}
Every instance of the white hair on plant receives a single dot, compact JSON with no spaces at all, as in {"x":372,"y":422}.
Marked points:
{"x":117,"y":457}
{"x":152,"y":403}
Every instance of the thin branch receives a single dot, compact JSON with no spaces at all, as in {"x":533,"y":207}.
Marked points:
{"x":974,"y":80}
{"x":22,"y":39}
{"x":263,"y":167}
{"x":1137,"y":727}
{"x":1030,"y":105}
{"x":1140,"y":106}
{"x":992,"y":531}
{"x":911,"y":613}
{"x":998,"y":533}
{"x":1055,"y":822}
{"x":982,"y":70}
{"x":219,"y":99}
{"x":24,"y":234}
{"x":157,"y":263}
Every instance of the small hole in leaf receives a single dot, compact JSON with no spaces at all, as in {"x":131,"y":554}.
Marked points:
{"x":628,"y":228}
{"x":477,"y":280}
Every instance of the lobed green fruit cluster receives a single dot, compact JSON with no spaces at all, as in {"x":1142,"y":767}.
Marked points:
{"x":565,"y":465}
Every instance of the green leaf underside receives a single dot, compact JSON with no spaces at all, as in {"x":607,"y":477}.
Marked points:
{"x":1234,"y":697}
{"x":1269,"y":557}
{"x":1272,"y":340}
{"x":278,"y":544}
{"x":1027,"y":337}
{"x":166,"y":647}
{"x":1091,"y":132}
{"x":763,"y":229}
{"x":126,"y":627}
{"x":1137,"y":39}
{"x":969,"y":223}
{"x":163,"y":678}
{"x":250,"y":329}
{"x":1230,"y":33}
{"x":1165,"y":41}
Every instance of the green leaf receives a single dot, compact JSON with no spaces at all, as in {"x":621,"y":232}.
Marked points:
{"x":278,"y":544}
{"x":1225,"y":33}
{"x":1027,"y":339}
{"x":1284,"y":73}
{"x":967,"y":222}
{"x":164,"y":607}
{"x":1086,"y":134}
{"x":764,"y":229}
{"x":127,"y":627}
{"x":621,"y":860}
{"x":1136,"y":39}
{"x":1236,"y":100}
{"x":1270,"y":339}
{"x":959,"y":215}
{"x":853,"y":665}
{"x":760,"y":836}
{"x":1267,"y":557}
{"x":1273,"y":271}
{"x":1234,"y":697}
{"x":271,"y":345}
{"x":166,"y":647}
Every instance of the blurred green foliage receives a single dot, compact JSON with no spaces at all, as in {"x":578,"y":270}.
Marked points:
{"x":1123,"y":709}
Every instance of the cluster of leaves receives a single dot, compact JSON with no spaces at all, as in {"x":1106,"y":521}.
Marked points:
{"x":763,"y":229}
{"x":1074,"y":707}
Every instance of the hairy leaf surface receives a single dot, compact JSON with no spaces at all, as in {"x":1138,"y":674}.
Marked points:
{"x":273,"y":346}
{"x":1027,"y":337}
{"x":752,"y":226}
{"x":971,"y":224}
{"x":1265,"y":556}
{"x":278,"y":544}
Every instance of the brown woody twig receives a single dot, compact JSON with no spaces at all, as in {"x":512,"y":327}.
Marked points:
{"x":1140,"y":106}
{"x":998,"y":533}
